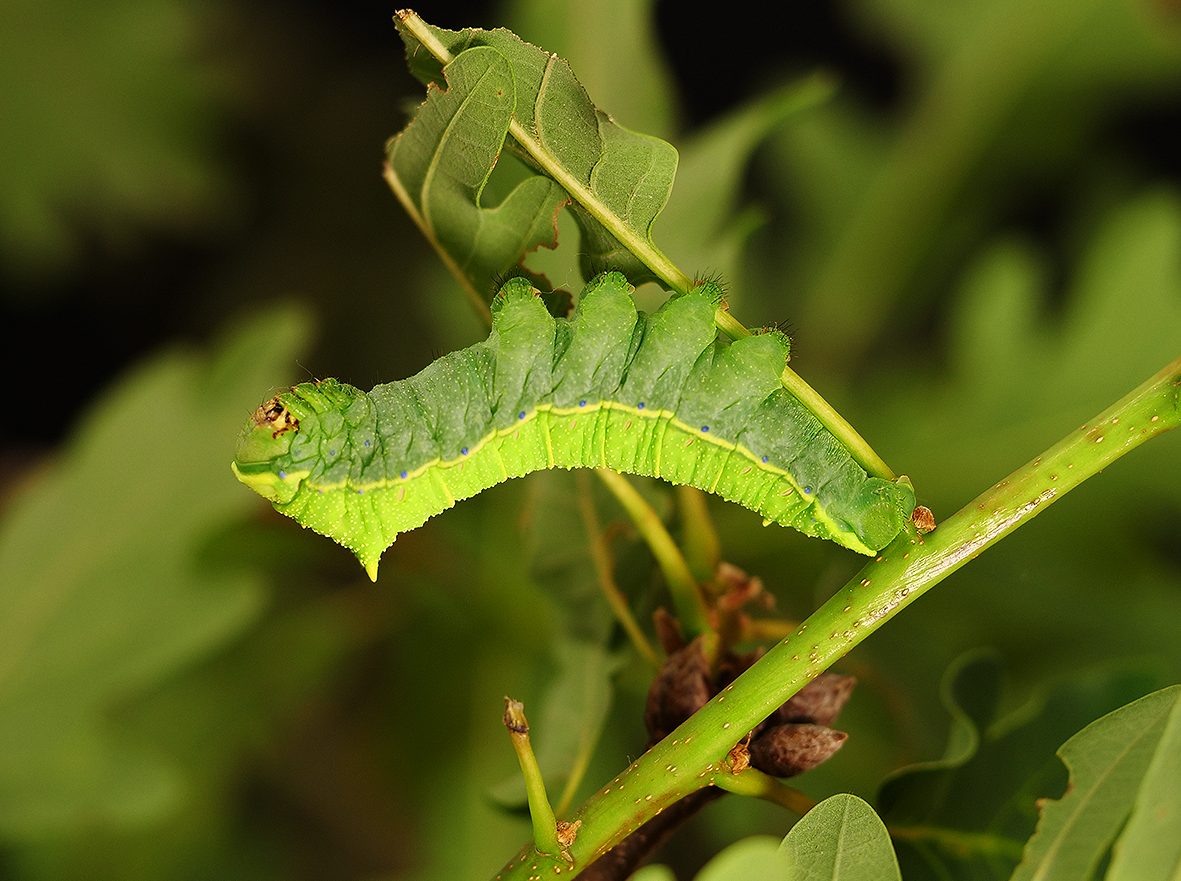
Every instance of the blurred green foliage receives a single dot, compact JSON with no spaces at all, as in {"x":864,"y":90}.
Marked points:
{"x":190,"y":688}
{"x":110,"y":116}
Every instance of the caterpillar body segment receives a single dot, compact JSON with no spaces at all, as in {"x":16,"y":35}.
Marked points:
{"x":658,"y":395}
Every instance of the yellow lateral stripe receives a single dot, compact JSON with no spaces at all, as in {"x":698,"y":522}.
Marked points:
{"x":550,"y":409}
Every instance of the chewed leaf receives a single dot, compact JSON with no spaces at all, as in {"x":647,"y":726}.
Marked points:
{"x":632,"y":179}
{"x":1117,"y":764}
{"x":969,"y":813}
{"x":620,"y":180}
{"x":440,"y":164}
{"x":610,"y":387}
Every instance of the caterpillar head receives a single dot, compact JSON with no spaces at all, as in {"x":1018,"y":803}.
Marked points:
{"x":264,"y":441}
{"x":301,"y":432}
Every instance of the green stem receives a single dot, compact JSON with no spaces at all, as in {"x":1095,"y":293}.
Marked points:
{"x":657,"y":261}
{"x":696,"y":752}
{"x":755,"y":784}
{"x":545,"y":824}
{"x":686,"y":593}
{"x":703,"y":550}
{"x":604,"y":569}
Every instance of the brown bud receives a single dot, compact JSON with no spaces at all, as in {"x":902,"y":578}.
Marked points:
{"x":736,"y":586}
{"x":668,"y":631}
{"x":788,"y":750}
{"x":680,"y":689}
{"x":820,"y":701}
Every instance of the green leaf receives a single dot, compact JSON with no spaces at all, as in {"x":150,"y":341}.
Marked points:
{"x":619,"y":180}
{"x":841,"y":839}
{"x":1111,"y":764}
{"x":756,"y":857}
{"x":1150,"y":847}
{"x":104,"y":589}
{"x":440,"y":164}
{"x":640,"y":92}
{"x":966,"y":815}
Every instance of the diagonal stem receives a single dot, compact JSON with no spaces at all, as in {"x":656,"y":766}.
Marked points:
{"x":686,"y":592}
{"x":694,"y":754}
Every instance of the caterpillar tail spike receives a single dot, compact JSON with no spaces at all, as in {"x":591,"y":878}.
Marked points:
{"x":659,"y":395}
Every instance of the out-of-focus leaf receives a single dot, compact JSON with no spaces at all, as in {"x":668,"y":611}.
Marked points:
{"x":756,"y":857}
{"x":966,"y":815}
{"x":104,"y":591}
{"x":1111,"y":763}
{"x":1024,"y":368}
{"x":206,"y":724}
{"x":107,"y":124}
{"x":626,"y":174}
{"x":971,"y":128}
{"x":703,"y":226}
{"x":841,"y":839}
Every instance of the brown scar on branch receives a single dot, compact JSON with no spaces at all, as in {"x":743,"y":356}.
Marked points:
{"x":738,"y":759}
{"x":923,"y":519}
{"x":567,"y":834}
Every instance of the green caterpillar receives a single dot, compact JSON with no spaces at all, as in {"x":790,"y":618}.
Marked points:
{"x":659,"y":395}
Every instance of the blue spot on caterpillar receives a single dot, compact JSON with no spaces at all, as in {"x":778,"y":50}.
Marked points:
{"x":514,"y":403}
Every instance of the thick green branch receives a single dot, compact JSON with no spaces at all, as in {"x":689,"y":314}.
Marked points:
{"x":690,"y":757}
